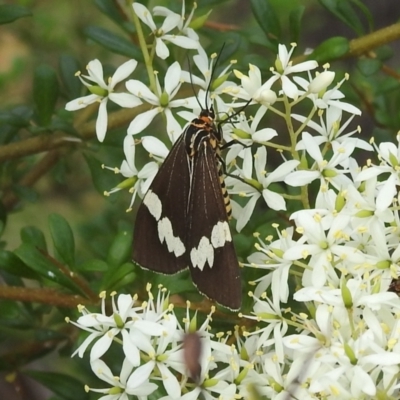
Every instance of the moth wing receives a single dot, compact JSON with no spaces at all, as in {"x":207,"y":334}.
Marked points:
{"x":211,"y":254}
{"x":160,"y":229}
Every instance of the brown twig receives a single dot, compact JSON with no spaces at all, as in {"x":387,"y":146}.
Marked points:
{"x":44,"y":296}
{"x":31,"y":177}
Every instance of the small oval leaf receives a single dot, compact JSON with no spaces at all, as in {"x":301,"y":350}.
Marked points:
{"x":120,"y":249}
{"x":331,"y":49}
{"x":114,"y":43}
{"x":64,"y":386}
{"x":10,"y":13}
{"x":63,"y":238}
{"x":45,"y":93}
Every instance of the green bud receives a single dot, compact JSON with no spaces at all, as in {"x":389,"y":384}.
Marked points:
{"x":243,"y":354}
{"x":267,"y":316}
{"x":384,"y":264}
{"x":324,"y":244}
{"x":346,"y":294}
{"x":329,"y":173}
{"x":350,"y":353}
{"x":340,"y":202}
{"x":127,"y":183}
{"x":393,"y":160}
{"x":198,"y":22}
{"x":275,"y":385}
{"x":193,"y":324}
{"x":97,"y":90}
{"x":210,"y":382}
{"x":240,"y":133}
{"x":164,"y":99}
{"x":219,"y":81}
{"x":162,"y":357}
{"x":118,"y":321}
{"x":364,"y":214}
{"x":115,"y":390}
{"x":241,"y":376}
{"x":254,"y":183}
{"x":278,"y":252}
{"x":278,"y":65}
{"x":303,"y":162}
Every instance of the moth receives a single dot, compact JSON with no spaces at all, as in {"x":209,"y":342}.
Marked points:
{"x":182,"y":221}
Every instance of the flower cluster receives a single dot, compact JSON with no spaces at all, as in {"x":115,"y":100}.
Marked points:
{"x":341,"y":248}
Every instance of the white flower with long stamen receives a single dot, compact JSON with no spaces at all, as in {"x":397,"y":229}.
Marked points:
{"x":162,"y":101}
{"x":124,"y":320}
{"x":284,"y":67}
{"x":328,"y":171}
{"x":101,"y":92}
{"x":137,"y":181}
{"x":120,"y":388}
{"x":260,"y":187}
{"x":253,"y":88}
{"x":162,"y":34}
{"x":184,"y":23}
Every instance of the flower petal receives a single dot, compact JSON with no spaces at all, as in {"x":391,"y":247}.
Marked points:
{"x":142,"y":121}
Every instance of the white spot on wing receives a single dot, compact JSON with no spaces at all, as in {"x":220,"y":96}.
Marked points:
{"x":220,"y":234}
{"x":204,"y":253}
{"x":165,"y":232}
{"x":153,"y":204}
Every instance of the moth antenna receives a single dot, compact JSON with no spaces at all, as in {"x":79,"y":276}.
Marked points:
{"x":214,"y":65}
{"x":192,"y":85}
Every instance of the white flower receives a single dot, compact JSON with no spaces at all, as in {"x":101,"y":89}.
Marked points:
{"x":323,"y":247}
{"x":247,"y":134}
{"x":332,"y":129}
{"x":284,"y":67}
{"x":271,"y":258}
{"x":138,"y":181}
{"x":102,"y":91}
{"x":389,"y":154}
{"x":162,"y":101}
{"x":274,"y":200}
{"x":161,"y":34}
{"x":120,"y":386}
{"x":325,"y":170}
{"x":253,"y":88}
{"x":124,"y":321}
{"x":184,"y":22}
{"x":321,"y":82}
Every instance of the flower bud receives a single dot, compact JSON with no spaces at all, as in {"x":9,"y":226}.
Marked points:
{"x":321,"y":82}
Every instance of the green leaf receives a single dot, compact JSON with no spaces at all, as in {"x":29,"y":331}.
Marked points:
{"x":366,"y":12}
{"x":120,"y":249}
{"x":110,"y":10}
{"x":68,"y":67}
{"x":64,"y":386}
{"x":13,"y":265}
{"x":45,"y":93}
{"x":63,"y":238}
{"x":368,"y":66}
{"x":34,"y":236}
{"x":103,"y":180}
{"x":343,"y":10}
{"x":25,"y":193}
{"x":350,"y":17}
{"x":3,"y":217}
{"x":44,"y":266}
{"x":114,"y":43}
{"x":120,"y":277}
{"x":331,"y":49}
{"x":266,"y":17}
{"x":94,"y":265}
{"x":10,"y":13}
{"x":295,"y":18}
